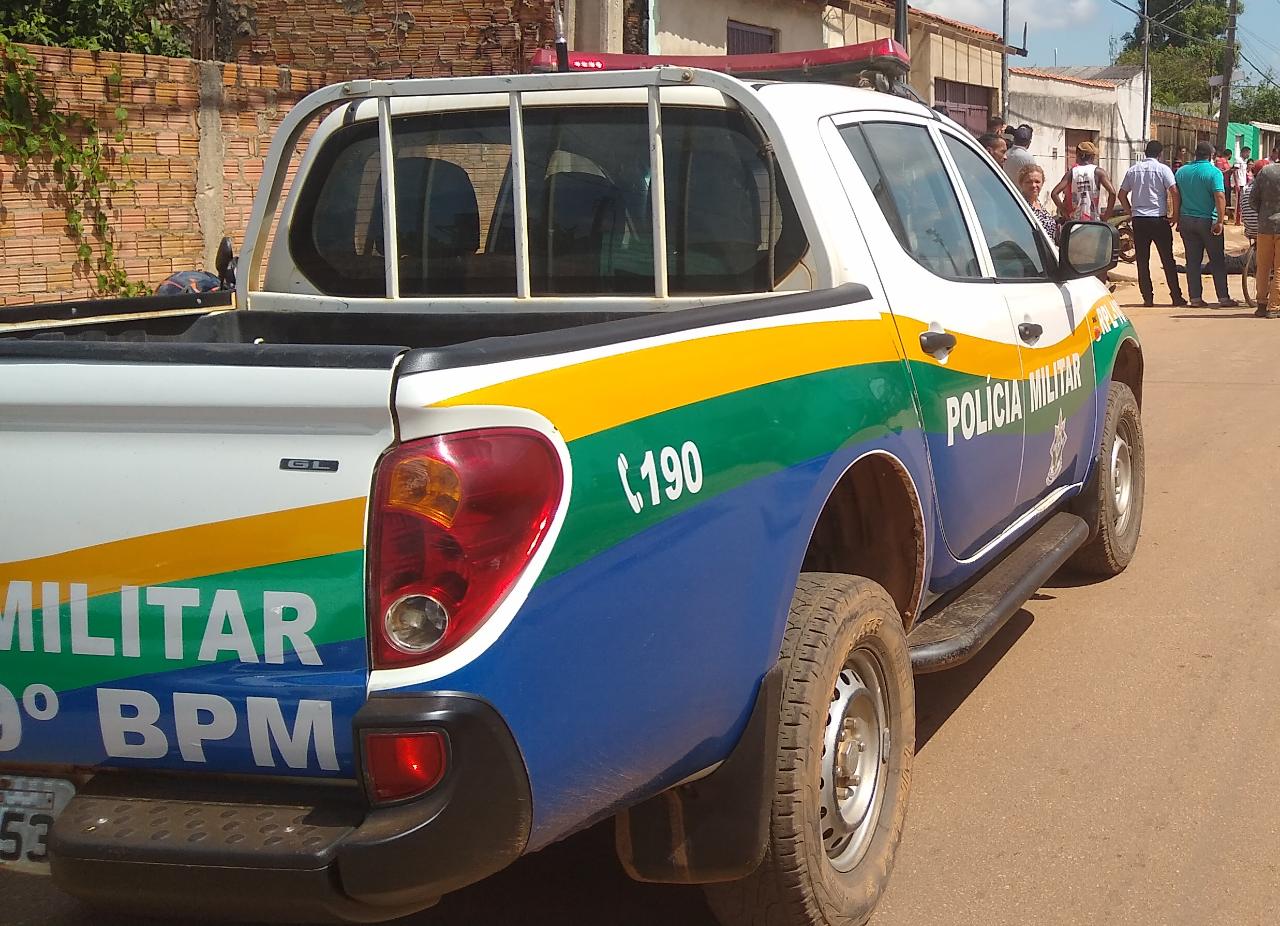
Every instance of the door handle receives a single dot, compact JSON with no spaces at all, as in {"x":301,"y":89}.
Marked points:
{"x":1030,"y":331}
{"x":937,"y":342}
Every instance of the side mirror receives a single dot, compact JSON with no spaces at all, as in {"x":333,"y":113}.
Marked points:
{"x":1087,"y":249}
{"x":225,"y":262}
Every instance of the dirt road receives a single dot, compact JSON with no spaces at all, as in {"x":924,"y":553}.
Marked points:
{"x":1111,"y":758}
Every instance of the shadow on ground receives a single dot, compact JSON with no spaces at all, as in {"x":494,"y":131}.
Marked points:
{"x":940,"y":695}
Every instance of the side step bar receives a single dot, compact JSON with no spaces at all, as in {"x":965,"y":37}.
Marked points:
{"x":955,"y":632}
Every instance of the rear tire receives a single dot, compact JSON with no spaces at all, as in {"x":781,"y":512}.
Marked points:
{"x":846,"y":740}
{"x":1112,"y":500}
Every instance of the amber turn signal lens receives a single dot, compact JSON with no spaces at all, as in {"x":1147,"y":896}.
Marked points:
{"x":427,"y":487}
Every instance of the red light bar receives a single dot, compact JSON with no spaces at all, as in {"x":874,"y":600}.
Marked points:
{"x":826,"y":64}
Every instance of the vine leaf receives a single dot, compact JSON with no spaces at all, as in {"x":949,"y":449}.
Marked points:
{"x":33,"y":129}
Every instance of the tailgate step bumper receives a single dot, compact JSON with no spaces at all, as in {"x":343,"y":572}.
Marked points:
{"x":955,"y":632}
{"x":260,"y":850}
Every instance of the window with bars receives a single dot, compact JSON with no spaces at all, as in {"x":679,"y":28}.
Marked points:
{"x":745,"y":39}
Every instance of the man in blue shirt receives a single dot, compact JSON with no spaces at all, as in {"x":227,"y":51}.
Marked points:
{"x":1144,"y":194}
{"x":1199,"y":203}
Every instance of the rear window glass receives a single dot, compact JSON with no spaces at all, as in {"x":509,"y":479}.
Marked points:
{"x":729,"y":215}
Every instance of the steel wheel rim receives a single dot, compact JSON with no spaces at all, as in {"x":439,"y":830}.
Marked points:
{"x":855,"y":759}
{"x":1122,"y":476}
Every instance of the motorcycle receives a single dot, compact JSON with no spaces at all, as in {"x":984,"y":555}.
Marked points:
{"x":1126,"y":249}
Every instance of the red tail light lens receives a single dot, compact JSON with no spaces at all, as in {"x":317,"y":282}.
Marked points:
{"x":456,"y":520}
{"x":399,"y":766}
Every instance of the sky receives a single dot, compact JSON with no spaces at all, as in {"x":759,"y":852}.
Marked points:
{"x":1079,"y":31}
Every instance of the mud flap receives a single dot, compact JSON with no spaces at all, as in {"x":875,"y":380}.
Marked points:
{"x":715,"y":828}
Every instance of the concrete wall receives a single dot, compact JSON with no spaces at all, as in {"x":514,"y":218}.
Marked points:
{"x":700,"y":27}
{"x":197,"y":134}
{"x":937,"y":50}
{"x":1051,"y":107}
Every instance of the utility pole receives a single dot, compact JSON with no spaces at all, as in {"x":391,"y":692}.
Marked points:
{"x":1228,"y":66}
{"x":1146,"y":72}
{"x":1004,"y":66}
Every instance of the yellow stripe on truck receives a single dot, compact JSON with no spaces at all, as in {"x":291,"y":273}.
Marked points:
{"x":204,"y":549}
{"x":596,"y":395}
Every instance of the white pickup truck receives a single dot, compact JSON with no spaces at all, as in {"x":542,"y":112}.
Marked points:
{"x":579,"y":446}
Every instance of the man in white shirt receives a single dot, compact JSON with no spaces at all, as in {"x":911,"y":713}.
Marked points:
{"x":1144,"y":194}
{"x":1241,"y":171}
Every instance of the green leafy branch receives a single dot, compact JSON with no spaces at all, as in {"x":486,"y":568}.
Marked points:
{"x":33,"y":129}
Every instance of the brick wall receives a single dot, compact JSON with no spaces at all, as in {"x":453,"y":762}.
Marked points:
{"x":198,"y":133}
{"x":377,"y":38}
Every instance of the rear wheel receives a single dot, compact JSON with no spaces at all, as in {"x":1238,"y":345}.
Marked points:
{"x":1112,"y":500}
{"x":843,"y":766}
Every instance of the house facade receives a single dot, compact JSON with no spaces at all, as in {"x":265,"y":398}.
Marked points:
{"x":1066,"y":106}
{"x":954,"y":66}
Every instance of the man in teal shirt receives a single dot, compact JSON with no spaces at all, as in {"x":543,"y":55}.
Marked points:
{"x":1199,"y":203}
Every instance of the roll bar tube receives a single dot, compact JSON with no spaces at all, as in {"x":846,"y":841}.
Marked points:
{"x":284,"y":144}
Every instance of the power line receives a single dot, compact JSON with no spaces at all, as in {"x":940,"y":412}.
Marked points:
{"x":1259,"y":39}
{"x":1265,"y":75}
{"x":1172,"y":11}
{"x":1202,"y":41}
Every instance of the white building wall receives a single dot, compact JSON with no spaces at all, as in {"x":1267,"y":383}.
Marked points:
{"x":701,"y":27}
{"x":1051,"y":107}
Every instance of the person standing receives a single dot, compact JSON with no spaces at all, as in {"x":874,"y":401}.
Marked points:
{"x":1144,"y":194}
{"x":1264,"y":196}
{"x":1199,"y":203}
{"x":1019,"y":156}
{"x":1223,"y":163}
{"x":1084,"y":184}
{"x":996,"y":146}
{"x":1240,"y":178}
{"x":1031,"y":182}
{"x":996,"y":125}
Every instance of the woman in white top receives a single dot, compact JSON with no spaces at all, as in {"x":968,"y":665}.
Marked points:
{"x":1084,"y":183}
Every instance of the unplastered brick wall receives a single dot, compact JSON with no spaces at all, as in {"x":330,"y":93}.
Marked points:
{"x":197,"y":134}
{"x":392,"y":38}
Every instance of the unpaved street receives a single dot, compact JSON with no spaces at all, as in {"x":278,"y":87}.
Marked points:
{"x":1111,"y":758}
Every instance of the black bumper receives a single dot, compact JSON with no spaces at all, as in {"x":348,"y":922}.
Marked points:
{"x":266,"y":851}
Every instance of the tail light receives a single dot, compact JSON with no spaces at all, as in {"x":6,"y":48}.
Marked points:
{"x":456,"y":519}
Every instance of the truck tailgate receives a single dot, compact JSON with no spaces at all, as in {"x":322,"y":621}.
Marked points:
{"x":182,"y":565}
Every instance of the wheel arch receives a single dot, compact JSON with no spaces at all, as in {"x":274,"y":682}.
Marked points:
{"x":1128,"y":367}
{"x":872,"y":524}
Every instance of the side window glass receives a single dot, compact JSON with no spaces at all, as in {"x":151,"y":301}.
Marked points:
{"x":1014,"y":244}
{"x":911,"y":185}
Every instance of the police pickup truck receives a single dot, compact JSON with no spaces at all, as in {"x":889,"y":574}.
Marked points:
{"x":578,"y":446}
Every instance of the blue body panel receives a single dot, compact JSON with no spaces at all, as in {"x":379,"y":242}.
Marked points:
{"x":639,"y":667}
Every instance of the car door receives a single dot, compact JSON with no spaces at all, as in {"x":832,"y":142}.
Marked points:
{"x":1052,"y":322}
{"x":956,"y":331}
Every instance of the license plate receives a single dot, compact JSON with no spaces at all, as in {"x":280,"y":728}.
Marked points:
{"x":28,"y":807}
